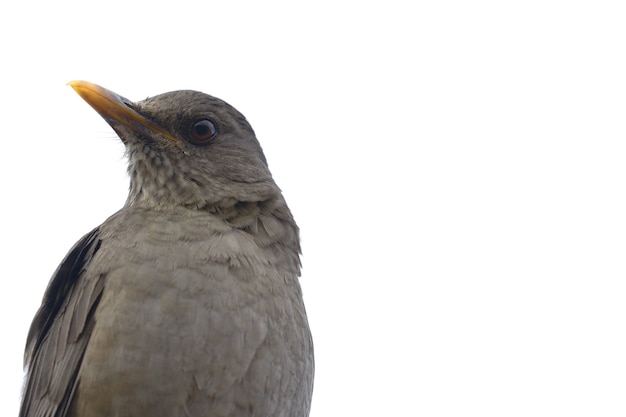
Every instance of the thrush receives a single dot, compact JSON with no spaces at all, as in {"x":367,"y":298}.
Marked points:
{"x":186,"y":302}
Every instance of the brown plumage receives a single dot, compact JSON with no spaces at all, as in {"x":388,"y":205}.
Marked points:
{"x":186,"y":302}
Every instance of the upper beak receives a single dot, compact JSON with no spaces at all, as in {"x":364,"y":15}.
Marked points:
{"x":117,"y":110}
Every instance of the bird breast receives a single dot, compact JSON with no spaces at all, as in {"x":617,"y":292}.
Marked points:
{"x":194,"y":301}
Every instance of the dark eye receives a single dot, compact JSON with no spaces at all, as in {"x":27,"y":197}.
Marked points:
{"x":203,"y":131}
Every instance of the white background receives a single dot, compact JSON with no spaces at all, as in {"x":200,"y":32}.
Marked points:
{"x":457,"y":169}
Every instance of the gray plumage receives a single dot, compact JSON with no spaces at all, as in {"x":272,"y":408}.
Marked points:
{"x":186,"y":302}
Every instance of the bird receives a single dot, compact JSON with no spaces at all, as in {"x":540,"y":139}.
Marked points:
{"x":187,"y":301}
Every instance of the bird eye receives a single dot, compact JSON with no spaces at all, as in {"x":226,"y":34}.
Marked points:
{"x":202,"y":131}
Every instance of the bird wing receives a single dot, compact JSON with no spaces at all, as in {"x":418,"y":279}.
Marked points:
{"x":60,"y":333}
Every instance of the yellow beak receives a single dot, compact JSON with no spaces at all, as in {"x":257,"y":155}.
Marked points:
{"x":117,"y":110}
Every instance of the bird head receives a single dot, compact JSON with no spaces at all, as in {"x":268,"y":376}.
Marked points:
{"x":185,"y":148}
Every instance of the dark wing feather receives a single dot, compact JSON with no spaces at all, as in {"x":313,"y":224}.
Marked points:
{"x":60,"y":332}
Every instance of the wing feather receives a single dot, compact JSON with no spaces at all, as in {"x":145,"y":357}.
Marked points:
{"x":60,"y":332}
